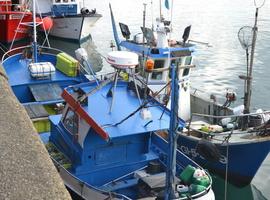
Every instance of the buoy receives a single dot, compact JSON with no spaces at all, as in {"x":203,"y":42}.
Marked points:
{"x":46,"y":23}
{"x":149,"y":65}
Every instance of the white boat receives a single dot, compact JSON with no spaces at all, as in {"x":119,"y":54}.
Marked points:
{"x":71,"y":20}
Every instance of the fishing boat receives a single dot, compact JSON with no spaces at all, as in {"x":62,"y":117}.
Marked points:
{"x":228,"y":141}
{"x":13,"y":15}
{"x":37,"y":76}
{"x":107,"y":143}
{"x":71,"y":19}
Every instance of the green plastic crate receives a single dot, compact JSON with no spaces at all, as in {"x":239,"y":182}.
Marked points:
{"x":67,"y":64}
{"x":42,"y":125}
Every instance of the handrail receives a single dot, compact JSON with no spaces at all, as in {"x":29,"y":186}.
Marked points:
{"x":223,"y":116}
{"x":4,"y":57}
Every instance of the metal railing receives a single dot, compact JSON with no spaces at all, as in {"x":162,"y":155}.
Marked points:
{"x":227,"y":116}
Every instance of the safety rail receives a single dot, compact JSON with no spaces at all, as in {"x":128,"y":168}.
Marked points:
{"x":41,"y":49}
{"x":226,"y":116}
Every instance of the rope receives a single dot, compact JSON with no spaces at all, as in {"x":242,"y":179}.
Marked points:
{"x":139,"y":108}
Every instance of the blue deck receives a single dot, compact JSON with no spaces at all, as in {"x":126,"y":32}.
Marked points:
{"x":124,"y":104}
{"x":19,"y":76}
{"x":18,"y":73}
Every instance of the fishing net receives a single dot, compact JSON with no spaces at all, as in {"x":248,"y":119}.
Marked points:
{"x":245,"y":35}
{"x":259,"y":3}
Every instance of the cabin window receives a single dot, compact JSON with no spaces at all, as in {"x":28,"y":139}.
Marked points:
{"x":186,"y":72}
{"x":65,"y":1}
{"x":187,"y":62}
{"x":70,"y":122}
{"x":57,"y":1}
{"x":158,"y":64}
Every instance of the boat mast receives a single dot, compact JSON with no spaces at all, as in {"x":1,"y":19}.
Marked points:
{"x":171,"y":159}
{"x":35,"y":31}
{"x":247,"y":97}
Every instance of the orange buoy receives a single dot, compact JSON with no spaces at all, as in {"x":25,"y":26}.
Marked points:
{"x":47,"y":23}
{"x":149,"y":65}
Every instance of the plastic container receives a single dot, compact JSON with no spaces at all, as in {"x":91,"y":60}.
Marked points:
{"x":41,"y":69}
{"x":42,"y":126}
{"x":194,"y":189}
{"x":238,"y":110}
{"x":187,"y":174}
{"x":67,"y":64}
{"x":204,"y":181}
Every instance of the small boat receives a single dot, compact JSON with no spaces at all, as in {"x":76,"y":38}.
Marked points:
{"x":37,"y":76}
{"x":12,"y":18}
{"x":71,"y":20}
{"x":214,"y":136}
{"x":107,"y":143}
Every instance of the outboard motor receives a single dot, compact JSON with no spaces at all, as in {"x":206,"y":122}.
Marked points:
{"x":85,"y":11}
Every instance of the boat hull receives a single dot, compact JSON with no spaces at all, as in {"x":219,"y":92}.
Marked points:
{"x":73,"y":28}
{"x":244,"y":159}
{"x":88,"y":191}
{"x":11,"y":29}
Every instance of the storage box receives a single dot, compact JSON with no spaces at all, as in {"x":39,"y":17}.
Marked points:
{"x":67,"y":64}
{"x":42,"y":125}
{"x":41,"y":69}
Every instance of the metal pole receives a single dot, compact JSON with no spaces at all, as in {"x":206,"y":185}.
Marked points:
{"x":249,"y":78}
{"x":35,"y":31}
{"x":160,"y":14}
{"x":171,"y":162}
{"x":143,"y":57}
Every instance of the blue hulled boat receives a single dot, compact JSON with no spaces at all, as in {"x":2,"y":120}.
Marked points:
{"x":41,"y":81}
{"x":37,"y":76}
{"x":107,"y":143}
{"x":214,"y":136}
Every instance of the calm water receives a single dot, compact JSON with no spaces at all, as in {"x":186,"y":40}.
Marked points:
{"x":218,"y":66}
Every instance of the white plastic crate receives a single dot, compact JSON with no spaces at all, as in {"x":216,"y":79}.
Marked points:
{"x":41,"y":69}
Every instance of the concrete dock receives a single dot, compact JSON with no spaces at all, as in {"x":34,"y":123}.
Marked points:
{"x":26,"y":171}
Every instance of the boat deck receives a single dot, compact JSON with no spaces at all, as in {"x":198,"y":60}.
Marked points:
{"x":19,"y":74}
{"x":238,"y":136}
{"x":124,"y":104}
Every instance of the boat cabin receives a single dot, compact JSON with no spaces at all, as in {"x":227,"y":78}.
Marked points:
{"x":95,"y":140}
{"x":155,"y":45}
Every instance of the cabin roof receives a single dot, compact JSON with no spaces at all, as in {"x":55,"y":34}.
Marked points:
{"x":176,"y":51}
{"x":125,"y":103}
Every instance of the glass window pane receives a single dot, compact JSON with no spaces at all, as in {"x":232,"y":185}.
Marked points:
{"x":70,"y":122}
